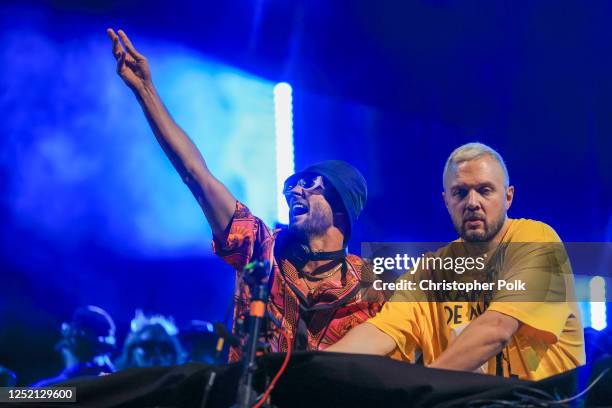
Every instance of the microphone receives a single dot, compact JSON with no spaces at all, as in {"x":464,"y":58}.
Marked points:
{"x":255,"y":272}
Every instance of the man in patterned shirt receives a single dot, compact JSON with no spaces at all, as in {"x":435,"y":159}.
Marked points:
{"x":317,"y":292}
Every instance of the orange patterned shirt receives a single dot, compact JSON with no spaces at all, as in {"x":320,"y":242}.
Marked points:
{"x":329,"y":311}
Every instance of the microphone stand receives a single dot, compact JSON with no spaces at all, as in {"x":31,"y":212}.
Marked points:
{"x":254,"y":274}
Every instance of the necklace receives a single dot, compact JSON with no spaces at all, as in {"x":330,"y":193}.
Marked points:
{"x":319,"y":278}
{"x":323,"y":275}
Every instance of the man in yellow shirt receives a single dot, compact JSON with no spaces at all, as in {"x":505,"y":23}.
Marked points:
{"x":532,"y":334}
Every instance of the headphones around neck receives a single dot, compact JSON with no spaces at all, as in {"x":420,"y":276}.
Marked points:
{"x":287,"y":246}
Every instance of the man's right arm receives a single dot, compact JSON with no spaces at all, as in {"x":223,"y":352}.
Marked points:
{"x":216,"y":201}
{"x":364,"y":339}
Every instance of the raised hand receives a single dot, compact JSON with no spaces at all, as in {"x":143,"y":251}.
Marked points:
{"x":132,"y":66}
{"x":216,"y":201}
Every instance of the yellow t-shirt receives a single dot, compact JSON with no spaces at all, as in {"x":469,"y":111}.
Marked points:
{"x":550,"y":338}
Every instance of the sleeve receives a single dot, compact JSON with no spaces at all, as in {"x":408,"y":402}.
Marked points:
{"x":543,"y":306}
{"x":544,"y":321}
{"x":243,"y":237}
{"x":401,"y":318}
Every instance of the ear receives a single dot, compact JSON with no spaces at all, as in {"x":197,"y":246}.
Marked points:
{"x":509,"y":196}
{"x":445,"y":200}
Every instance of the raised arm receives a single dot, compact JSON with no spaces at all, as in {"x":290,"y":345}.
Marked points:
{"x":215,"y":199}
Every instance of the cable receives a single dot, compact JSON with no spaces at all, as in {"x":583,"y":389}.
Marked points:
{"x":532,"y":401}
{"x":599,"y":377}
{"x":209,"y":385}
{"x":266,"y":394}
{"x":580,"y":394}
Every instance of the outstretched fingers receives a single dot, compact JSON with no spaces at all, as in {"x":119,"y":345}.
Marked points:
{"x":130,"y":48}
{"x":117,"y":48}
{"x":121,"y":62}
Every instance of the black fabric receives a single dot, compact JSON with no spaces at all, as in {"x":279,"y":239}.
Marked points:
{"x":288,"y":246}
{"x":326,"y":256}
{"x":563,"y":386}
{"x":301,"y":334}
{"x":316,"y":379}
{"x":348,"y":182}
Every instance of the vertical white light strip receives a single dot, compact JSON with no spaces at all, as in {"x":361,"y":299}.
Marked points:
{"x":597,"y":287}
{"x":283,"y":116}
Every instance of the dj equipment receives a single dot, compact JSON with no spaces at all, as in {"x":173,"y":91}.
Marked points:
{"x":319,"y":379}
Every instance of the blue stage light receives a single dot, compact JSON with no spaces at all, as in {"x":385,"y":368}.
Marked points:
{"x":84,"y":162}
{"x":283,"y":112}
{"x":597,"y":287}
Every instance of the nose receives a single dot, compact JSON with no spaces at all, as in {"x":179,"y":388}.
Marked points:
{"x":297,"y":190}
{"x":472,"y":203}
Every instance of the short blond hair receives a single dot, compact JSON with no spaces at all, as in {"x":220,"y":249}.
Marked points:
{"x":471,"y":151}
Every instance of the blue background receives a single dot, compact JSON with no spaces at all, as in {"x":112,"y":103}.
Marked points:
{"x":92,"y":212}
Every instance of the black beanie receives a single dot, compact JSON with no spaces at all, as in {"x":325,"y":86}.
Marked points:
{"x":348,"y":182}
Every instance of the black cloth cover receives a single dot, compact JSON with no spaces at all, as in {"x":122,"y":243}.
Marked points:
{"x":316,"y":379}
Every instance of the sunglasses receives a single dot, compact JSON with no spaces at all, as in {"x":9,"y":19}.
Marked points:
{"x":308,"y":182}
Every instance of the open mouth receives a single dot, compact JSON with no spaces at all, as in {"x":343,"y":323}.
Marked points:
{"x":298,"y":208}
